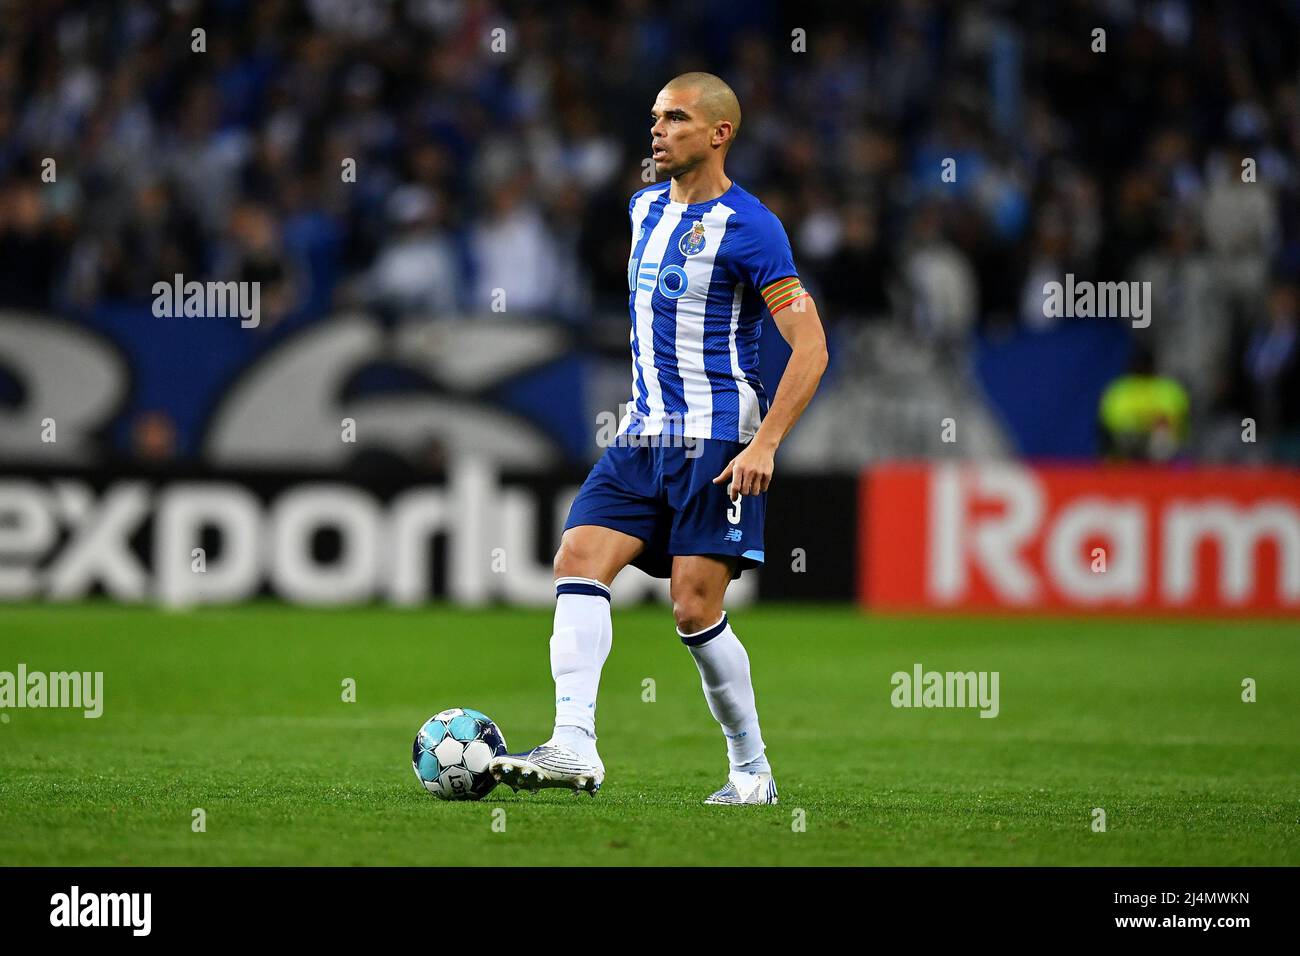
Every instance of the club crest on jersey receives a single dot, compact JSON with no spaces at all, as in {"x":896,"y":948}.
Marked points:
{"x":692,"y":243}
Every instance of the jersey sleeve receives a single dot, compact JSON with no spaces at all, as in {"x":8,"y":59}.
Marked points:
{"x":765,"y":261}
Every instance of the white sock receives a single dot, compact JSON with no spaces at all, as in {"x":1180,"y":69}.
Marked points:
{"x":724,"y":673}
{"x":580,"y":642}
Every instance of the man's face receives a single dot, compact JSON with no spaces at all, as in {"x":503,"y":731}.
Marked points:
{"x":681,"y":135}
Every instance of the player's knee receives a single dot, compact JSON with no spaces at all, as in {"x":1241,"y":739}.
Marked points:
{"x":694,"y":612}
{"x":572,"y":560}
{"x":566,"y":563}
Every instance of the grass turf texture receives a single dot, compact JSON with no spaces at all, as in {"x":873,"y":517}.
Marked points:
{"x":239,"y":712}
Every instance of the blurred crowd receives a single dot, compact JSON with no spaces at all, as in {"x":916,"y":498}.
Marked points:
{"x":413,"y":156}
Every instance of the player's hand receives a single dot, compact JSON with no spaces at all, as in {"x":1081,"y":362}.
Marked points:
{"x":750,"y":471}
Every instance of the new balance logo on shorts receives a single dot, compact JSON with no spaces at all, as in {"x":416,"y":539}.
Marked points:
{"x":733,"y":534}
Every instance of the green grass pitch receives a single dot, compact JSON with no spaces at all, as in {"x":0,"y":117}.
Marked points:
{"x":239,"y":712}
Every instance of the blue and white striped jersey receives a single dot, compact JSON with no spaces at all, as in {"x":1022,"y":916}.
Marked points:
{"x":699,"y":278}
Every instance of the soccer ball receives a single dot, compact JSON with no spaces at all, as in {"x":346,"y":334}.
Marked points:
{"x":452,"y":752}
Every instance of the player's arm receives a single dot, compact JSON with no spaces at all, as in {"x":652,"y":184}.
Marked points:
{"x":796,"y":317}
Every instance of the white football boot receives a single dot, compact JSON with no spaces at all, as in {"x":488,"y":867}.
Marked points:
{"x":548,"y":765}
{"x":745,"y":788}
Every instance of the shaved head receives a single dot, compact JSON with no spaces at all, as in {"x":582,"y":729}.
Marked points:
{"x":695,"y":119}
{"x":717,"y":101}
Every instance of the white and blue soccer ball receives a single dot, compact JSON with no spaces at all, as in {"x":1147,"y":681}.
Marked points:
{"x":452,"y":752}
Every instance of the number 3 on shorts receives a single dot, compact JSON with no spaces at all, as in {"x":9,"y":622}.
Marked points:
{"x":733,"y":507}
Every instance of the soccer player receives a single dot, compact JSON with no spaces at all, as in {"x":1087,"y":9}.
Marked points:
{"x":681,"y":491}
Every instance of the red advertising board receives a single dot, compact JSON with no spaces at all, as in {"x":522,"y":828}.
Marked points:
{"x":1006,"y":537}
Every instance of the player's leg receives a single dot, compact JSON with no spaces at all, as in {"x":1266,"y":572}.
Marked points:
{"x":589,"y":559}
{"x":612,"y":518}
{"x":713,"y":538}
{"x":699,"y":587}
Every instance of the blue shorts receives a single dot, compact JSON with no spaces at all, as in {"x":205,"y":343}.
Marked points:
{"x":666,"y":497}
